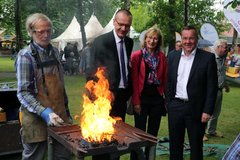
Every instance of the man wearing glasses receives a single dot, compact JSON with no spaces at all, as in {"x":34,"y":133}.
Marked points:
{"x":220,"y":47}
{"x":112,"y":51}
{"x":40,"y":91}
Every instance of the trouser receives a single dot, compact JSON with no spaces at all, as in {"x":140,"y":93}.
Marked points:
{"x":36,"y":151}
{"x":180,"y":118}
{"x":212,"y":124}
{"x":148,"y":121}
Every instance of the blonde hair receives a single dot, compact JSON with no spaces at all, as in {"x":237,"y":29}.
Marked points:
{"x":150,"y":32}
{"x":33,"y":19}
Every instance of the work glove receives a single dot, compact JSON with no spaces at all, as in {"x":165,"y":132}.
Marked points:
{"x":51,"y":118}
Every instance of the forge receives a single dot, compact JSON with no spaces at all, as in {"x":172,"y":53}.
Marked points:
{"x":125,"y":139}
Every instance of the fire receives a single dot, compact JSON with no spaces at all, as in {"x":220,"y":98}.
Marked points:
{"x":96,"y":124}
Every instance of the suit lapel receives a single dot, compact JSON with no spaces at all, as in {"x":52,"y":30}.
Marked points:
{"x":195,"y":64}
{"x":176,"y":60}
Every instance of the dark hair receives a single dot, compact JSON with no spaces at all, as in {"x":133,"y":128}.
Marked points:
{"x":190,"y":28}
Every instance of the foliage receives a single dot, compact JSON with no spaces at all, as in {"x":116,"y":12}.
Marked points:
{"x":140,"y":18}
{"x":7,"y":15}
{"x":146,"y":13}
{"x":199,"y":12}
{"x":60,"y":12}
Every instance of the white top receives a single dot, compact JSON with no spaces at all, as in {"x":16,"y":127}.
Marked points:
{"x":118,"y":41}
{"x":184,"y":69}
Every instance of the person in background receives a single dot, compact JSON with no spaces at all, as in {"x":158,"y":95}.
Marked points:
{"x":149,"y":77}
{"x":178,"y":45}
{"x":191,"y":95}
{"x":112,"y":51}
{"x":40,"y":90}
{"x":84,"y":62}
{"x":220,"y":47}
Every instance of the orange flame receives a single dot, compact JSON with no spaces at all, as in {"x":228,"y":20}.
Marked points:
{"x":96,"y":124}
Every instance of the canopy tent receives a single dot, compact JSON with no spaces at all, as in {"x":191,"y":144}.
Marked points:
{"x":109,"y":26}
{"x":73,"y":32}
{"x":92,"y":28}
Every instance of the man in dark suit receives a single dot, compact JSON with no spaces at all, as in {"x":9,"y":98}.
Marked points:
{"x":191,"y":94}
{"x":106,"y":51}
{"x":112,"y":51}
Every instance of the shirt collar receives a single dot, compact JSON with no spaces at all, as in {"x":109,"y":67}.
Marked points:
{"x":192,"y":53}
{"x":117,"y":39}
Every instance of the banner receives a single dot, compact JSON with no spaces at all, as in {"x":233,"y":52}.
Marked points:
{"x":232,"y":13}
{"x":208,"y":32}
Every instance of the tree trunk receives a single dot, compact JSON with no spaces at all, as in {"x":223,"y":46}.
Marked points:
{"x":127,"y":4}
{"x":81,"y":21}
{"x":19,"y":40}
{"x":235,"y":35}
{"x":172,"y":25}
{"x":186,"y":7}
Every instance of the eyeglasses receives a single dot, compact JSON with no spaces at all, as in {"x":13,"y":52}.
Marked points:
{"x":224,"y":47}
{"x":127,"y":26}
{"x":41,"y":32}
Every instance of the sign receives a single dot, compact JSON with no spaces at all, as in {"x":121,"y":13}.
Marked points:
{"x":208,"y":32}
{"x":232,"y":14}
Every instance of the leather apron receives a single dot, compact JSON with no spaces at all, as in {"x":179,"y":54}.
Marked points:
{"x":50,"y":94}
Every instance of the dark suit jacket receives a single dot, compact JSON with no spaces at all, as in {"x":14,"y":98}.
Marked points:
{"x":202,"y":82}
{"x":104,"y":53}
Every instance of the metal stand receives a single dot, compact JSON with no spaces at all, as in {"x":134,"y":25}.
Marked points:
{"x":50,"y":148}
{"x":152,"y":153}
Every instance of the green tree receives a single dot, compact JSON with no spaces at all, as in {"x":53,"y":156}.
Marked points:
{"x":7,"y":15}
{"x":199,"y":12}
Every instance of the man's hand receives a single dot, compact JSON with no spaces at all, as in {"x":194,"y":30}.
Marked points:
{"x":51,"y":118}
{"x":205,"y":117}
{"x":55,"y":120}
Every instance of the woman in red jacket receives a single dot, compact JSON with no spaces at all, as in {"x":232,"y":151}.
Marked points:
{"x":149,"y":73}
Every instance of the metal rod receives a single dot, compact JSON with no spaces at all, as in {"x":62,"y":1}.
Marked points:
{"x":50,"y":148}
{"x":152,"y":153}
{"x":145,"y":138}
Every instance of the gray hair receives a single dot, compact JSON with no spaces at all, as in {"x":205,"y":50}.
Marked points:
{"x":219,"y":42}
{"x":33,"y":19}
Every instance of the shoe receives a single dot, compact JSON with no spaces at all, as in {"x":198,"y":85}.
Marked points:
{"x":216,"y":134}
{"x":205,"y":138}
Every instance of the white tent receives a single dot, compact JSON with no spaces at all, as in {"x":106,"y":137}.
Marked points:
{"x":109,"y":26}
{"x":93,"y":28}
{"x":71,"y":34}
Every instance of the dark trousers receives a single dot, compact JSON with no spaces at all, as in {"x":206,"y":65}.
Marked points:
{"x":119,"y":106}
{"x":180,"y":117}
{"x":148,"y":121}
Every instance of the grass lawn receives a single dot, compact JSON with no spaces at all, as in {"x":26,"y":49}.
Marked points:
{"x":228,"y":124}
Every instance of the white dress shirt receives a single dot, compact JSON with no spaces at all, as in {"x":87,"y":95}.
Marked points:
{"x":118,"y":40}
{"x":184,"y":69}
